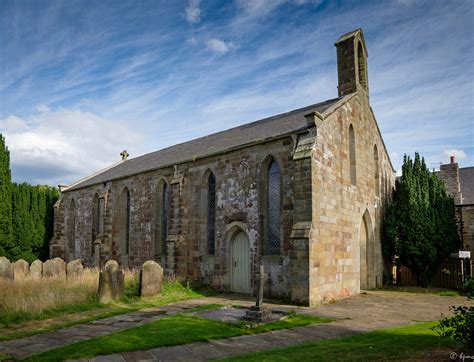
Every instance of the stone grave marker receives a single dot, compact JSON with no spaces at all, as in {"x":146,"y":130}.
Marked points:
{"x":74,"y":269}
{"x":21,"y":269}
{"x":111,"y":282}
{"x":54,"y":268}
{"x":6,"y":268}
{"x":151,"y":278}
{"x":36,"y":269}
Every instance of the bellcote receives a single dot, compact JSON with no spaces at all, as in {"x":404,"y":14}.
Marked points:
{"x":352,"y":63}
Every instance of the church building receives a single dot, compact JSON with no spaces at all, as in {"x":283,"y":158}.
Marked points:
{"x":302,"y":193}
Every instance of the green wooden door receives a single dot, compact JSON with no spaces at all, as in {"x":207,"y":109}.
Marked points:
{"x":241,"y":263}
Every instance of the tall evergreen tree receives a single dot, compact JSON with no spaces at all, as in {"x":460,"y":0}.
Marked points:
{"x":5,"y":198}
{"x":419,"y":224}
{"x":26,"y":215}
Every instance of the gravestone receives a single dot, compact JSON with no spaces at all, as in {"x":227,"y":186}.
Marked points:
{"x":54,"y":268}
{"x":6,"y":268}
{"x":151,"y":278}
{"x":21,"y":269}
{"x":111,"y":282}
{"x":74,"y":269}
{"x":36,"y":269}
{"x":259,"y":313}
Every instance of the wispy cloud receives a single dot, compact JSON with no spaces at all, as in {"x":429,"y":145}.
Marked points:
{"x":143,"y":69}
{"x":219,"y":46}
{"x":193,"y":11}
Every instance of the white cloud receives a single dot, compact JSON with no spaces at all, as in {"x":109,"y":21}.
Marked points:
{"x":42,"y":108}
{"x":460,"y":155}
{"x":64,"y":145}
{"x":219,"y":46}
{"x":258,"y":7}
{"x":406,"y":2}
{"x":263,"y":7}
{"x":193,"y":12}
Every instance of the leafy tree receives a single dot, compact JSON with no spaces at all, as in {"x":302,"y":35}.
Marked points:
{"x":419,"y":223}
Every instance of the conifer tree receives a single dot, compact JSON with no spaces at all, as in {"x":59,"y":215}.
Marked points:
{"x":419,"y":224}
{"x":5,"y":199}
{"x":26,"y":215}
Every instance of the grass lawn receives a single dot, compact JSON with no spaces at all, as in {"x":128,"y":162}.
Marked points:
{"x":175,"y":330}
{"x":399,"y":343}
{"x":15,"y":324}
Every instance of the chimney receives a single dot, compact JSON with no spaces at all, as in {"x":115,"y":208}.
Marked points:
{"x":124,"y":155}
{"x":449,"y":173}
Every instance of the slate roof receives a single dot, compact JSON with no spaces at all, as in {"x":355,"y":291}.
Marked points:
{"x":466,"y":179}
{"x":258,"y":131}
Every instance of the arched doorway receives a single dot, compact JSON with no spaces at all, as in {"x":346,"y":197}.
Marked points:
{"x":367,"y":250}
{"x":240,"y":259}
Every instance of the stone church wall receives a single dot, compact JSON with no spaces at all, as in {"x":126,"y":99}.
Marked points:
{"x":238,"y":189}
{"x":339,"y":207}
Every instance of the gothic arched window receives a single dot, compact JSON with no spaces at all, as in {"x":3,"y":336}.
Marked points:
{"x":124,"y":222}
{"x":71,"y":230}
{"x":273,"y":234}
{"x":376,"y":171}
{"x":211,"y":214}
{"x":352,"y":155}
{"x":95,"y":218}
{"x":161,"y":218}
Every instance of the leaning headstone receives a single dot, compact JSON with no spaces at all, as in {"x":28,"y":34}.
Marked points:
{"x":36,"y":269}
{"x":74,"y":269}
{"x":6,"y":268}
{"x":151,"y":278}
{"x":54,"y":268}
{"x":111,"y":282}
{"x":21,"y":269}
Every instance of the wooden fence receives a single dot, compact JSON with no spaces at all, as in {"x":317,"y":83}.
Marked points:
{"x":450,"y":274}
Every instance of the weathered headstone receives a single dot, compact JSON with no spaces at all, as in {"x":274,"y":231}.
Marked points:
{"x":74,"y":269}
{"x":6,"y":268}
{"x":111,"y":282}
{"x":36,"y":269}
{"x":54,"y":268}
{"x":151,"y":278}
{"x":21,"y":269}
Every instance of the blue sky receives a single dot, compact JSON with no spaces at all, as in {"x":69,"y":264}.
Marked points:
{"x":82,"y":80}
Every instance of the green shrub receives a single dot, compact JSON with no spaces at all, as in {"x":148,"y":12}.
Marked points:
{"x":468,"y":288}
{"x":460,"y":326}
